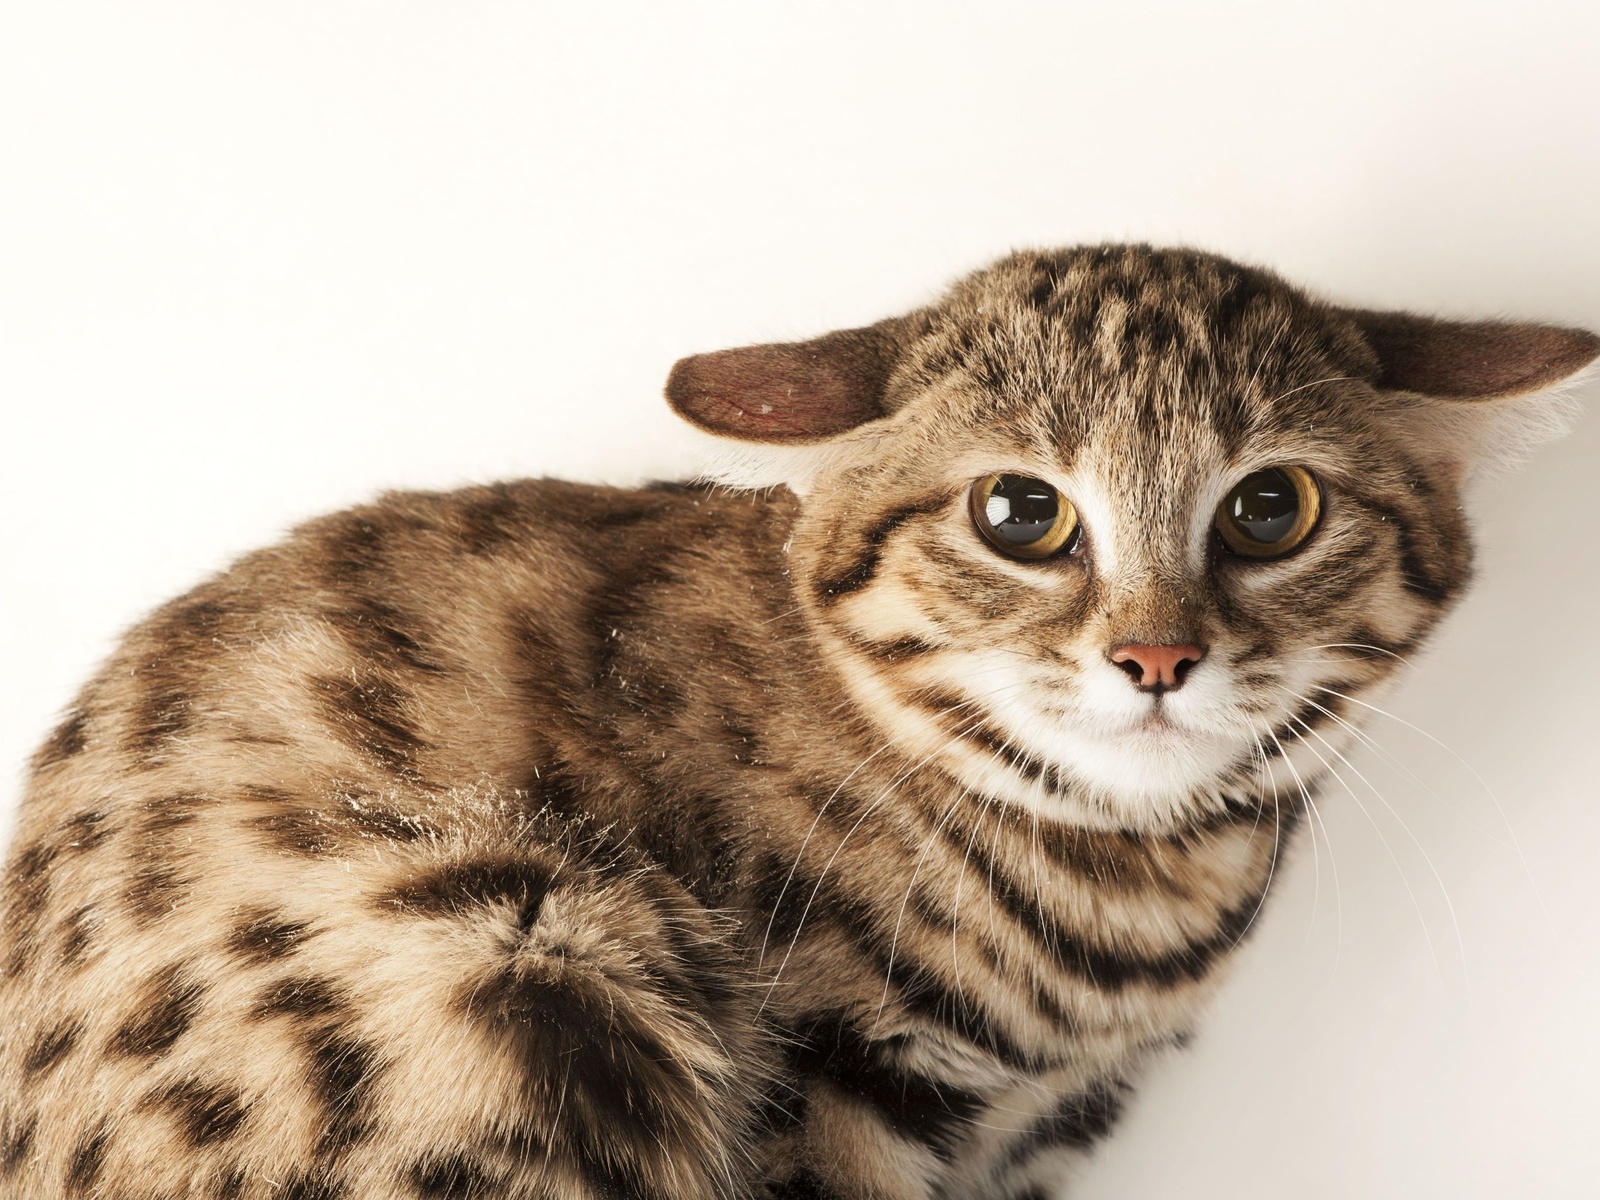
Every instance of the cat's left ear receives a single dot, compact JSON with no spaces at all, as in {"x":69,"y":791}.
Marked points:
{"x":1479,"y":391}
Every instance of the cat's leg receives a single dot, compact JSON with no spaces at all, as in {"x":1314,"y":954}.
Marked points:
{"x":870,"y":1122}
{"x":1032,"y":1158}
{"x":366,"y":1005}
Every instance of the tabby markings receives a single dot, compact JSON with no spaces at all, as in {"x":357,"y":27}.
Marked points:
{"x":934,"y":1114}
{"x":52,"y":1046}
{"x":163,"y":1014}
{"x":861,"y":572}
{"x":206,"y":1113}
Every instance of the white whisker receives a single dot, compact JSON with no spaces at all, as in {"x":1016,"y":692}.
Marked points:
{"x":1488,"y":791}
{"x":1393,"y":857}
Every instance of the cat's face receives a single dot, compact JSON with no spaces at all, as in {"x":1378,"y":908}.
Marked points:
{"x":1086,"y":635}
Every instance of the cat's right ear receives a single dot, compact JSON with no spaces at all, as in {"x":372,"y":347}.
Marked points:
{"x":789,"y":392}
{"x":789,"y":406}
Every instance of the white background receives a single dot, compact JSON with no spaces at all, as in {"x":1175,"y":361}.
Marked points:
{"x":261,"y":260}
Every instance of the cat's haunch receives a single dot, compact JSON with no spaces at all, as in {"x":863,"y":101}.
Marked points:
{"x":859,"y":837}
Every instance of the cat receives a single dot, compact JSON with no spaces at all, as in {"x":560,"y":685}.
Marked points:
{"x":854,"y":827}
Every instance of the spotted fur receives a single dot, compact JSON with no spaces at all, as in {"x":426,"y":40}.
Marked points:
{"x":688,"y":843}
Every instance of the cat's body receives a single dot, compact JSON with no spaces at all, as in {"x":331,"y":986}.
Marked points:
{"x":545,"y":840}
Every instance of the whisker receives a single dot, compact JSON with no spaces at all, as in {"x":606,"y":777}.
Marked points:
{"x":894,"y":938}
{"x":816,"y":889}
{"x":1314,"y":383}
{"x":810,"y":832}
{"x":1393,"y":857}
{"x":1399,"y":658}
{"x":1488,"y":791}
{"x":1316,"y":857}
{"x":1277,"y":840}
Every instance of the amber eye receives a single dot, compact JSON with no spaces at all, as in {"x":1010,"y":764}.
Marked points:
{"x":1269,"y":512}
{"x":1022,"y":516}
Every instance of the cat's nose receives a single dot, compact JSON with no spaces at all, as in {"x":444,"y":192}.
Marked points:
{"x":1157,"y":668}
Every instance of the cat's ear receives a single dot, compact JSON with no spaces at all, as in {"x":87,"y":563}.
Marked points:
{"x":1479,"y":360}
{"x":792,"y":409}
{"x":1476,"y":393}
{"x":804,"y":392}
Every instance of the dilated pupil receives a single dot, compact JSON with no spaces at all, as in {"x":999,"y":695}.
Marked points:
{"x":1021,"y":510}
{"x":1265,"y":506}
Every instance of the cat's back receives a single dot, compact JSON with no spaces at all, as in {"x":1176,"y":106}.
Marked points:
{"x":421,"y":639}
{"x":374,"y":720}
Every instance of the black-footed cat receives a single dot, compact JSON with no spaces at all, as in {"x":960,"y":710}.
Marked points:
{"x":851,"y":839}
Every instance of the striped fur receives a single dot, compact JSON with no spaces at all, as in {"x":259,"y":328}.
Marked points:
{"x":543,"y":840}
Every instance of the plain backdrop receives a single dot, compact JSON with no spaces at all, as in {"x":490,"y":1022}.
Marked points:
{"x":261,"y":260}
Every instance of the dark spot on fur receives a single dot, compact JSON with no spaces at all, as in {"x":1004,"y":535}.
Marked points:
{"x":154,"y":890}
{"x":898,"y":650}
{"x":164,"y":814}
{"x":300,"y":998}
{"x":32,"y":865}
{"x":162,"y":710}
{"x":543,"y":675}
{"x":315,"y":1184}
{"x":26,"y":891}
{"x":934,"y":1114}
{"x":455,"y":1177}
{"x":448,"y":890}
{"x":88,"y":1159}
{"x":231,"y":1185}
{"x":198,"y":620}
{"x":68,"y":739}
{"x":370,"y":715}
{"x":382,"y":634}
{"x":490,"y":519}
{"x":77,"y":934}
{"x":299,"y":831}
{"x":688,"y":835}
{"x":265,"y":937}
{"x":782,"y":1108}
{"x":1045,"y":286}
{"x":266,"y":793}
{"x":84,"y":831}
{"x":51,"y":1046}
{"x":183,"y":634}
{"x":558,"y":792}
{"x":342,"y":1071}
{"x":354,"y":549}
{"x":205,"y":1112}
{"x":626,"y":601}
{"x":804,"y":1184}
{"x":1075,"y":1123}
{"x":16,"y":1141}
{"x":627,"y":1094}
{"x":161,"y":1015}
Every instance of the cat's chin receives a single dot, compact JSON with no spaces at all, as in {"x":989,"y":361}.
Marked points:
{"x":1151,"y":769}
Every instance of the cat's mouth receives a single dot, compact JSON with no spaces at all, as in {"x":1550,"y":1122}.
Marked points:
{"x":1157,"y":722}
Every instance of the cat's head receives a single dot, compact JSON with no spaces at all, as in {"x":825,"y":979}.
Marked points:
{"x":1109,"y":531}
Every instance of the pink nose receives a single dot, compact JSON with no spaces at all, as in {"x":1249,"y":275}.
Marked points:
{"x":1157,"y":668}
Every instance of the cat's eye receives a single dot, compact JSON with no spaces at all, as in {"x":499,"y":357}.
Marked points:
{"x":1269,"y":512}
{"x":1022,"y":516}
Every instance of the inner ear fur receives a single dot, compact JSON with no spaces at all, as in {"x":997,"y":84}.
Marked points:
{"x":1471,"y":360}
{"x":792,"y":391}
